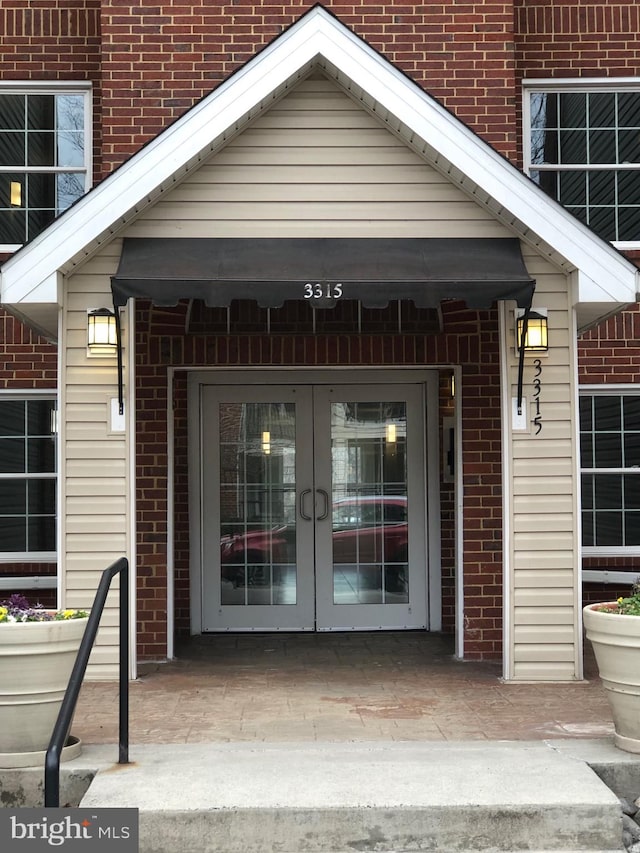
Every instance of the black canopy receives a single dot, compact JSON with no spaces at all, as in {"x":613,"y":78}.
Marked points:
{"x":273,"y":270}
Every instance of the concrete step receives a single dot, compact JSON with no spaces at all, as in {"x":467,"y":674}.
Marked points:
{"x":334,"y":797}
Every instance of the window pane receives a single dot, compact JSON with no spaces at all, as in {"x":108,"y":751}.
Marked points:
{"x":70,"y":148}
{"x":631,"y":450}
{"x":41,"y":455}
{"x":37,"y":221}
{"x":544,"y":109}
{"x":602,"y":146}
{"x":41,"y":148}
{"x":41,"y":497}
{"x":13,"y":533}
{"x":608,"y":450}
{"x":631,"y":529}
{"x":12,"y":112}
{"x":587,"y":490}
{"x":13,"y":497}
{"x":607,"y":413}
{"x":41,"y":191}
{"x":12,"y":417}
{"x":41,"y":534}
{"x":632,"y":491}
{"x":13,"y":226}
{"x":586,"y":407}
{"x":587,"y":529}
{"x":586,"y":450}
{"x":548,"y":181}
{"x":608,"y":491}
{"x":12,"y":455}
{"x":628,"y":146}
{"x":629,"y":187}
{"x":39,"y":417}
{"x":602,"y":188}
{"x":629,"y":223}
{"x":544,"y":146}
{"x":573,"y":146}
{"x":631,"y":413}
{"x":573,"y":109}
{"x":573,"y":187}
{"x":70,"y":112}
{"x":602,"y":109}
{"x":70,"y":187}
{"x":629,"y":109}
{"x":608,"y":530}
{"x":12,"y":152}
{"x":603,"y":222}
{"x":40,"y":112}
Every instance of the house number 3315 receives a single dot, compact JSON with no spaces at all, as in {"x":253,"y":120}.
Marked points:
{"x":322,"y":290}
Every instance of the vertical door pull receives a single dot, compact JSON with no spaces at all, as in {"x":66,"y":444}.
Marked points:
{"x":325,"y":513}
{"x":303,"y":514}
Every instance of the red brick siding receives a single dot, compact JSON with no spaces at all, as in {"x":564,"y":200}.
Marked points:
{"x":470,"y":338}
{"x":160,"y":58}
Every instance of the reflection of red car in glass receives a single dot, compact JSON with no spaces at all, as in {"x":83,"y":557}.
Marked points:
{"x":366,"y":530}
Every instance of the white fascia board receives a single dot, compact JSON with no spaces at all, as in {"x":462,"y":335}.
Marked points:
{"x":166,"y":158}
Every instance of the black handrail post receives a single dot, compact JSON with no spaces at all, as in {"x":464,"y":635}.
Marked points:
{"x":65,"y":715}
{"x":123,"y":742}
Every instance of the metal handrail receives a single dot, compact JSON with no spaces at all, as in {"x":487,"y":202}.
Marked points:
{"x":67,"y":709}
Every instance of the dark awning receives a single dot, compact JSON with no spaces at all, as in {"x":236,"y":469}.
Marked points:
{"x":273,"y":270}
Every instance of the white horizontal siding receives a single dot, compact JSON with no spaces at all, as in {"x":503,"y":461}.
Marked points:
{"x":543,"y":549}
{"x":316,"y":165}
{"x":95,"y":493}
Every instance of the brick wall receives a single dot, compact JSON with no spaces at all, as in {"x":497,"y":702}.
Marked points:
{"x":159,"y":57}
{"x":469,"y":338}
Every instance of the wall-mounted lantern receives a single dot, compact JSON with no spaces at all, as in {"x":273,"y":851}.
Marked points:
{"x":102,"y":338}
{"x":536,"y":335}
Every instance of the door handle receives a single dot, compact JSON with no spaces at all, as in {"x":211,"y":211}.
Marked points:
{"x":324,"y":514}
{"x":303,"y":514}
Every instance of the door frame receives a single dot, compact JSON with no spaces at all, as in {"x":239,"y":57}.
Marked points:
{"x":320,"y":376}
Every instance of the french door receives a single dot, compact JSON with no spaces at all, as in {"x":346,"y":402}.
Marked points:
{"x":313,"y":507}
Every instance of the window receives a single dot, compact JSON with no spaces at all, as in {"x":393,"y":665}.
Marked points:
{"x":582,"y":146}
{"x":44,"y":158}
{"x":610,"y":462}
{"x":27,"y":477}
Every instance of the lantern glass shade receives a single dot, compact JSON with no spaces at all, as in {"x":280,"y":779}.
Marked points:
{"x":536,"y":339}
{"x":101,"y":331}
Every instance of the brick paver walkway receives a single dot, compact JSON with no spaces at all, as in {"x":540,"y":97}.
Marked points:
{"x":337,"y":687}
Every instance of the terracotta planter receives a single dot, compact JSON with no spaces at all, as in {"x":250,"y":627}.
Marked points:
{"x":616,"y":644}
{"x":36,"y":659}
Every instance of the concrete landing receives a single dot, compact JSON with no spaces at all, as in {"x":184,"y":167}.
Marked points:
{"x":335,"y":797}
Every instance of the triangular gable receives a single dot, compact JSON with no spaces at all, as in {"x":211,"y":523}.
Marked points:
{"x":34,"y":275}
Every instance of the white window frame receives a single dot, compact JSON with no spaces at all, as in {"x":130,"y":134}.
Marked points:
{"x":34,"y":556}
{"x":623,"y":390}
{"x":82,"y":87}
{"x":580,"y":85}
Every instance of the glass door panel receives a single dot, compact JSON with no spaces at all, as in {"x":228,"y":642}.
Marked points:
{"x":368,"y":574}
{"x":255,"y":575}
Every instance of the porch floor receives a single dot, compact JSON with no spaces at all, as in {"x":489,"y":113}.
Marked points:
{"x":397,"y":686}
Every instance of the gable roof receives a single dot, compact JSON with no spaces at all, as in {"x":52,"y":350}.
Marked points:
{"x":31,"y":281}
